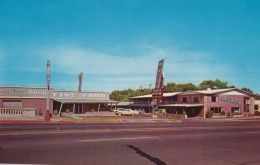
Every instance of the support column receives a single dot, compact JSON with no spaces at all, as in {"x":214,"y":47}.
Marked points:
{"x":60,"y":108}
{"x":98,"y":107}
{"x":73,"y":108}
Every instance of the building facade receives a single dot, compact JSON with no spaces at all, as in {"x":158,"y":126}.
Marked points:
{"x":200,"y":103}
{"x":25,"y":100}
{"x":257,"y":107}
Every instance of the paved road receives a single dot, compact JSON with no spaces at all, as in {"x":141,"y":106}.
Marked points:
{"x":190,"y":142}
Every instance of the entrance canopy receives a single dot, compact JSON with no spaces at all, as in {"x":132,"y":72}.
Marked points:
{"x":181,"y":105}
{"x":77,"y":101}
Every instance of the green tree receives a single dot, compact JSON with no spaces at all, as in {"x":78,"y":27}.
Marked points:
{"x":257,"y":96}
{"x":186,"y":87}
{"x":170,"y":87}
{"x":247,"y":89}
{"x":173,"y":87}
{"x":211,"y":84}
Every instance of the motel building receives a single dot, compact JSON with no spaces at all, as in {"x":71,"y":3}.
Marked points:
{"x":31,"y":101}
{"x":217,"y":102}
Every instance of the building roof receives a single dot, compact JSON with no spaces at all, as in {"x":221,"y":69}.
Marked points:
{"x":181,"y":105}
{"x":150,"y":95}
{"x":206,"y":92}
{"x":82,"y":101}
{"x":216,"y":91}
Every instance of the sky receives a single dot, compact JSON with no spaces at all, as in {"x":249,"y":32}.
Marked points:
{"x":117,"y":44}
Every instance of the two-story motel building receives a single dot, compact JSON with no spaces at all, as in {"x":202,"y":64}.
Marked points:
{"x":198,"y":103}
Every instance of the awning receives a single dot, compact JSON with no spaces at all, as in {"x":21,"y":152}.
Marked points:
{"x":78,"y":101}
{"x":181,"y":105}
{"x":140,"y":105}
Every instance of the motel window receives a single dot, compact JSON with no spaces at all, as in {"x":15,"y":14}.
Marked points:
{"x":246,"y":108}
{"x":174,"y":98}
{"x":235,"y":109}
{"x":214,"y":99}
{"x":256,"y":107}
{"x":246,"y":100}
{"x":184,"y":99}
{"x":216,"y":109}
{"x":196,"y":99}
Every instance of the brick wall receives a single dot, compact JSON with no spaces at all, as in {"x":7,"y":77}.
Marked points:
{"x":38,"y":103}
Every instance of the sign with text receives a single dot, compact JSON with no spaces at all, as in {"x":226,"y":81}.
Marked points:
{"x":230,"y":100}
{"x":42,"y":93}
{"x":158,"y":89}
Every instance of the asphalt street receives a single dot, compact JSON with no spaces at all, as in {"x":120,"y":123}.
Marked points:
{"x":189,"y":142}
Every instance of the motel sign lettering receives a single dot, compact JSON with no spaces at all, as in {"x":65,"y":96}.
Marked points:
{"x":230,"y":100}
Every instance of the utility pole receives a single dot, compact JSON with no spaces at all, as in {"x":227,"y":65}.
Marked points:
{"x":47,"y":115}
{"x":80,"y":81}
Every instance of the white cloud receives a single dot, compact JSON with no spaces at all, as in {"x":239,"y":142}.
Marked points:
{"x":2,"y":56}
{"x":108,"y":72}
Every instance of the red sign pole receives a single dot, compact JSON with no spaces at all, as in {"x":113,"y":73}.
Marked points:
{"x":158,"y":89}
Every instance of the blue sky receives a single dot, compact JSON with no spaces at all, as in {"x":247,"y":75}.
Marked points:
{"x":118,"y":43}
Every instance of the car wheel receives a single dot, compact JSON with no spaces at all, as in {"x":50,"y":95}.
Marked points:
{"x":119,"y":114}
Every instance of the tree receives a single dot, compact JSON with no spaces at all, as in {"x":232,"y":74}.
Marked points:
{"x":170,"y":87}
{"x":211,"y":84}
{"x":247,"y":89}
{"x":124,"y":95}
{"x":186,"y":87}
{"x":257,"y":96}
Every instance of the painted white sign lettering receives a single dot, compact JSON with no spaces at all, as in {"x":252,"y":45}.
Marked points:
{"x":230,"y":100}
{"x":42,"y":92}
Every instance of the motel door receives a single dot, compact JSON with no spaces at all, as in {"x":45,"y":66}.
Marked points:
{"x":78,"y":108}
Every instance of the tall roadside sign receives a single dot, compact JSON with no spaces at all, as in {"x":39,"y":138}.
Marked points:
{"x":157,"y":94}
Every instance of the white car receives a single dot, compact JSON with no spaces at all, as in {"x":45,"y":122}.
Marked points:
{"x":119,"y":109}
{"x":127,"y":112}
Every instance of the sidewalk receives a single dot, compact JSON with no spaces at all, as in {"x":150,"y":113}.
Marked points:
{"x":105,"y":116}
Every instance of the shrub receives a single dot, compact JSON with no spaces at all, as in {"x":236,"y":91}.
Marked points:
{"x":209,"y":114}
{"x":55,"y":112}
{"x":40,"y":112}
{"x":67,"y":110}
{"x":92,"y":110}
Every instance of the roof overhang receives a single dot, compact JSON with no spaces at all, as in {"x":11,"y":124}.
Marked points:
{"x":150,"y":95}
{"x":78,"y":101}
{"x":182,"y":105}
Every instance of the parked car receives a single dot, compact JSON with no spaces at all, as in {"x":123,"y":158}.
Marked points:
{"x":139,"y":110}
{"x":160,"y":112}
{"x":118,"y":109}
{"x":127,"y":112}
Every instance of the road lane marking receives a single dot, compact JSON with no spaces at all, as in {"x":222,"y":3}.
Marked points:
{"x":46,"y":132}
{"x":116,"y":139}
{"x":252,"y":132}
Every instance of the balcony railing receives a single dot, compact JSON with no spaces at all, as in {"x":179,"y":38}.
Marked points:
{"x":9,"y":112}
